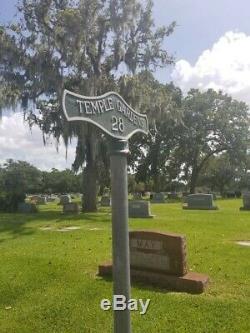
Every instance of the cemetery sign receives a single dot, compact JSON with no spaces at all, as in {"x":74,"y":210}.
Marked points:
{"x":116,"y":118}
{"x":109,"y":112}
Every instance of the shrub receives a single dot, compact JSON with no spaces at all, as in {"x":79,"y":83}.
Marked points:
{"x":9,"y":201}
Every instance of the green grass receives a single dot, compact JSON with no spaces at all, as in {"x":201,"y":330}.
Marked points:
{"x":48,"y":280}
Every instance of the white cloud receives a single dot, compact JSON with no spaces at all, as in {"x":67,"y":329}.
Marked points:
{"x":19,"y":143}
{"x":226,"y":67}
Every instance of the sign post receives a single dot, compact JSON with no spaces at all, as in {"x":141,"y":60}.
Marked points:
{"x":120,"y":235}
{"x":116,"y":118}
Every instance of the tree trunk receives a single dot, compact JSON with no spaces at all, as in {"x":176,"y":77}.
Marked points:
{"x":90,"y":189}
{"x":193,"y":180}
{"x":157,"y":185}
{"x":90,"y":177}
{"x":90,"y":174}
{"x":155,"y":165}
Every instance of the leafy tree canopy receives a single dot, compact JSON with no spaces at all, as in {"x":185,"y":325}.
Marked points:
{"x":79,"y":45}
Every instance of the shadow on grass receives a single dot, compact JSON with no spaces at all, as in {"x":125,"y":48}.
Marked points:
{"x":145,"y":286}
{"x":17,"y":224}
{"x":57,"y":216}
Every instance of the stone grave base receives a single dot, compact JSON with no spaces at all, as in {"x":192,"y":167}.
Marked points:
{"x":199,"y":208}
{"x":194,"y":283}
{"x":142,"y":216}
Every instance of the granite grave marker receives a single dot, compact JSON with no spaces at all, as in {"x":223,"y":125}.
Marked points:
{"x":246,"y":201}
{"x":105,"y":201}
{"x":65,"y":199}
{"x":41,"y":200}
{"x":160,"y":259}
{"x":200,"y":201}
{"x":71,"y":208}
{"x":158,"y":198}
{"x":27,"y":207}
{"x":139,"y":209}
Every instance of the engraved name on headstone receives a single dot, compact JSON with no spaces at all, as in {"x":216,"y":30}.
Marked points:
{"x":160,"y":259}
{"x":158,"y":252}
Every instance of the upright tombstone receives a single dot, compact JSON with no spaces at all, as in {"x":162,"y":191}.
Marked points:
{"x":51,"y":198}
{"x":246,"y":201}
{"x":137,"y":196}
{"x":158,"y":198}
{"x":105,"y":201}
{"x":238,"y":194}
{"x":139,"y":209}
{"x":41,"y":200}
{"x":161,"y":259}
{"x":34,"y":198}
{"x":115,"y":117}
{"x":200,"y":201}
{"x":230,"y":195}
{"x":173,"y":196}
{"x":65,"y":199}
{"x":71,"y":208}
{"x":27,"y":207}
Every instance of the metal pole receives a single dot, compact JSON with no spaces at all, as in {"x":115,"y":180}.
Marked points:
{"x":120,"y":236}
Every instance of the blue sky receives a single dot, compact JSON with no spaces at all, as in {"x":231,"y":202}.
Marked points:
{"x":200,"y":23}
{"x":211,"y":45}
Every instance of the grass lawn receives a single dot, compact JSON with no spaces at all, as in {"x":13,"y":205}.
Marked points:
{"x":48,"y":280}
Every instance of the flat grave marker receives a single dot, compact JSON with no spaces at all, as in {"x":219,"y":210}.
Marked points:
{"x":243,"y":243}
